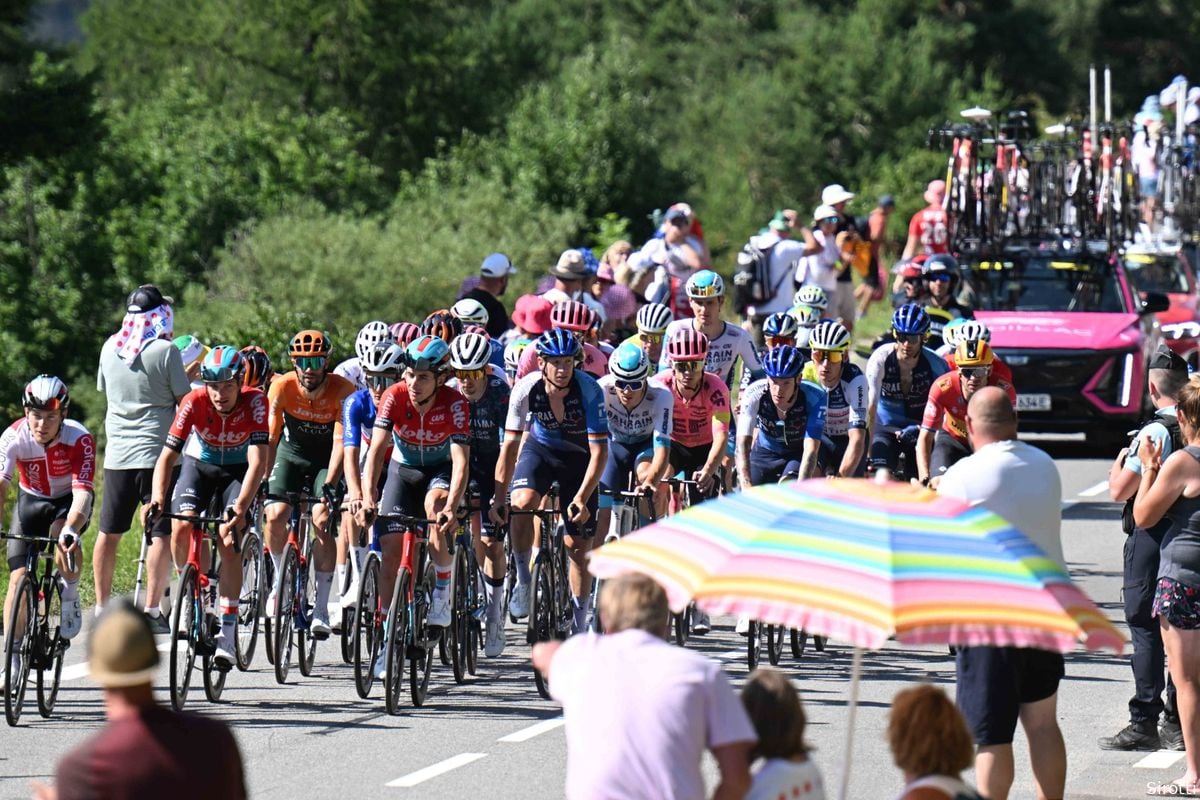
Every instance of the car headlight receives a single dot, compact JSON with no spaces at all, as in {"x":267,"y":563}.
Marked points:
{"x":1182,"y":330}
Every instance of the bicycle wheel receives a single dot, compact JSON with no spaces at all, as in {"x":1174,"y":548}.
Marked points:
{"x":475,"y":610}
{"x":51,"y":649}
{"x":395,"y":651}
{"x":368,"y":630}
{"x":285,"y":612}
{"x":268,"y":614}
{"x":306,"y":643}
{"x":214,"y":678}
{"x":819,"y":643}
{"x":185,"y":627}
{"x":541,"y":617}
{"x":454,"y":636}
{"x":248,"y":611}
{"x":754,"y":645}
{"x":775,"y":634}
{"x":799,"y":639}
{"x":421,"y":655}
{"x":18,"y":650}
{"x":510,"y":578}
{"x":564,"y":605}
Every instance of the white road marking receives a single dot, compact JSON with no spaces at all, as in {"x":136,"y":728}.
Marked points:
{"x":1160,"y":759}
{"x":526,"y":734}
{"x":77,"y":671}
{"x":731,"y":654}
{"x":1099,"y":488}
{"x":442,"y":767}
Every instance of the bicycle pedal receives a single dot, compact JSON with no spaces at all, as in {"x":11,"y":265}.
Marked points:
{"x":318,"y":637}
{"x":205,"y":649}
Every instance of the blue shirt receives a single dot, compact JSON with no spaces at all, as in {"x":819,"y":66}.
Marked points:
{"x":782,"y":435}
{"x":584,"y":417}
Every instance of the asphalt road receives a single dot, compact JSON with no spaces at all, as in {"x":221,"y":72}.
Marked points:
{"x":494,"y":736}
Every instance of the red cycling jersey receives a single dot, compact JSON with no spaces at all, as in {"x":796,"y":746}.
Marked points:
{"x":928,"y":226}
{"x":423,"y":440}
{"x":694,"y":418}
{"x":69,"y":462}
{"x":947,"y":409}
{"x":223,"y":439}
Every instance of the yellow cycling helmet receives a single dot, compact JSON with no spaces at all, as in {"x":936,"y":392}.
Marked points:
{"x":973,"y":353}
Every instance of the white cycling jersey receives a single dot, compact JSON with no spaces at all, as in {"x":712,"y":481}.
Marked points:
{"x":649,"y":418}
{"x":723,"y":352}
{"x":351,"y":370}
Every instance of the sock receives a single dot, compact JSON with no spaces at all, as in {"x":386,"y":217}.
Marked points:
{"x":441,"y":575}
{"x":277,"y":560}
{"x":153,"y":612}
{"x":493,"y":590}
{"x":579,"y":606}
{"x":341,"y":576}
{"x":324,"y":584}
{"x":522,"y":560}
{"x":229,"y":616}
{"x":360,"y":556}
{"x":70,"y":590}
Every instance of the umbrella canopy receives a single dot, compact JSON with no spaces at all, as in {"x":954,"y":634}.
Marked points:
{"x":859,"y":561}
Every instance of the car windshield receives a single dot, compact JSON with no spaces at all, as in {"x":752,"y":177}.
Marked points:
{"x":1156,"y":273}
{"x":1046,"y":283}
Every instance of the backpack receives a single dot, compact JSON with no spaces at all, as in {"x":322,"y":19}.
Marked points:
{"x":752,"y":278}
{"x":1177,"y":443}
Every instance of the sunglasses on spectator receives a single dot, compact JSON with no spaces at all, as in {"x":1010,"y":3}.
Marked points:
{"x":830,"y":221}
{"x":310,"y":362}
{"x":680,"y":221}
{"x":970,"y":373}
{"x":468,"y":374}
{"x":629,"y":386}
{"x":908,"y":338}
{"x":687,"y":366}
{"x":832,"y":356}
{"x":940,"y":276}
{"x":381,"y":381}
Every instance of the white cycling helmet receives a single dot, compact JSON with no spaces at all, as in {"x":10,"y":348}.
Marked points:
{"x":470,"y":311}
{"x":470,"y":351}
{"x":811,"y":296}
{"x":46,"y":392}
{"x":383,"y":357}
{"x":371,"y":334}
{"x":653,"y":318}
{"x":806,"y":316}
{"x":971,"y":330}
{"x":629,"y":363}
{"x":512,"y":354}
{"x":829,"y":335}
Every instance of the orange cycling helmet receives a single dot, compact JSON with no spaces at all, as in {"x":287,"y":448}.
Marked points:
{"x":258,"y":371}
{"x":442,"y":324}
{"x":309,"y":343}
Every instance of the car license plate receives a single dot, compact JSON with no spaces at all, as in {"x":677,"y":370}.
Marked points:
{"x":1033,"y":402}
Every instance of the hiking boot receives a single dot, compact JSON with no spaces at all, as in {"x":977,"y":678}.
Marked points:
{"x":1134,"y":736}
{"x":1170,"y":734}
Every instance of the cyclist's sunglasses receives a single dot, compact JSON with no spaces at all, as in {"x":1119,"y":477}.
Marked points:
{"x":832,"y":356}
{"x":651,"y":338}
{"x":629,"y":386}
{"x":687,"y":366}
{"x":940,"y":276}
{"x":968,"y":373}
{"x":778,"y":341}
{"x":310,"y":362}
{"x":468,"y":374}
{"x":217,"y":374}
{"x":381,"y":381}
{"x":907,"y":338}
{"x":703,"y":292}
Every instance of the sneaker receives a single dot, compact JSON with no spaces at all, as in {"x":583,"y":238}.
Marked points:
{"x":269,"y":609}
{"x":1170,"y":734}
{"x":518,"y":607}
{"x":350,"y":596}
{"x":224,"y":657}
{"x":494,"y":639}
{"x":742,"y":627}
{"x":319,"y":627}
{"x":700,"y":622}
{"x":379,"y":668}
{"x":439,"y":609}
{"x":159,"y":625}
{"x":1134,"y":736}
{"x":72,"y":619}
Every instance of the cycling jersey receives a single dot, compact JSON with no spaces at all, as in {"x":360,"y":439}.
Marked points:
{"x":583,"y":419}
{"x":804,"y":420}
{"x":928,"y":226}
{"x":352,"y":371}
{"x":946,"y":408}
{"x":219,"y":439}
{"x":487,"y":416}
{"x":68,"y":462}
{"x":894,"y":406}
{"x":594,"y":361}
{"x":424,"y":439}
{"x":723,"y":351}
{"x":845,"y":401}
{"x":999,"y":368}
{"x":693,"y":418}
{"x":358,"y":419}
{"x":649,"y":420}
{"x":306,"y":421}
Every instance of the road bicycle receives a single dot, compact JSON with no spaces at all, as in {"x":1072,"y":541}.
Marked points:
{"x":626,"y":518}
{"x":295,"y":591}
{"x":551,"y":613}
{"x":36,"y":611}
{"x":684,"y":494}
{"x":468,"y":605}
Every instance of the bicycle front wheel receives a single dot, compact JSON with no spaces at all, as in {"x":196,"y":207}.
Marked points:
{"x":775,"y":634}
{"x":541,"y":618}
{"x":306,"y":643}
{"x":18,"y":649}
{"x":285,"y":612}
{"x":185,"y":633}
{"x":52,"y":649}
{"x":367,"y":627}
{"x":754,"y":645}
{"x":421,"y":655}
{"x":248,"y":603}
{"x":456,"y":634}
{"x":267,"y":570}
{"x":396,"y":649}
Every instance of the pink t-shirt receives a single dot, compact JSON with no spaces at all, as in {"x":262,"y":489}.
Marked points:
{"x":639,"y":715}
{"x":595,"y":363}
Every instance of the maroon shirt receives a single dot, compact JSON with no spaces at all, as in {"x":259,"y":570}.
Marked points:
{"x":158,"y":753}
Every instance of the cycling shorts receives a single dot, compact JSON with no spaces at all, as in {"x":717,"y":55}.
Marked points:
{"x":538,"y":467}
{"x":124,"y":489}
{"x":770,"y":467}
{"x":947,"y":451}
{"x":293,"y":473}
{"x":833,"y":450}
{"x":200,"y":483}
{"x":406,"y":489}
{"x":33,"y":516}
{"x":688,"y":460}
{"x":886,"y":449}
{"x":483,"y":488}
{"x":622,"y":463}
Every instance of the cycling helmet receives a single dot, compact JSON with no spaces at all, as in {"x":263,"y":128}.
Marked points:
{"x":309,"y":343}
{"x":829,"y":335}
{"x":805,"y":316}
{"x":970,"y":329}
{"x":477,"y":329}
{"x":190,"y":348}
{"x":973,"y":353}
{"x":443,"y":325}
{"x":687,"y":344}
{"x":383,"y":357}
{"x":46,"y":392}
{"x":557,"y":343}
{"x":705,"y":283}
{"x":371,"y":334}
{"x":910,"y":319}
{"x":512,"y":354}
{"x":404,"y":333}
{"x":258,"y":371}
{"x":813,"y":296}
{"x":470,"y":351}
{"x":780,"y":325}
{"x":950,"y":331}
{"x":571,"y":315}
{"x":940,"y":262}
{"x":223,"y":363}
{"x":629,"y":363}
{"x":470,"y":311}
{"x":428,"y":353}
{"x":653,"y":319}
{"x":783,"y":362}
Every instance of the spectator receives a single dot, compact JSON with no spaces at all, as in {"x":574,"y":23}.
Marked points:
{"x":616,"y":258}
{"x":778,"y":717}
{"x":145,"y":750}
{"x":192,"y":351}
{"x":1172,"y":490}
{"x":786,"y":252}
{"x":530,"y":318}
{"x":142,"y":376}
{"x":493,"y":282}
{"x":821,"y":267}
{"x":620,"y":304}
{"x":571,"y":275}
{"x":927,"y":231}
{"x":674,"y":704}
{"x":930,"y":744}
{"x":1167,"y":375}
{"x":675,"y":257}
{"x":999,"y":685}
{"x":1144,"y":154}
{"x":871,"y":290}
{"x":694,"y":232}
{"x":841,"y":303}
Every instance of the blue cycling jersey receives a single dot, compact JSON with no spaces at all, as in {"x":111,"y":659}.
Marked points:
{"x":487,"y":416}
{"x":584,"y":419}
{"x":893,"y":406}
{"x":786,"y":435}
{"x":358,"y":417}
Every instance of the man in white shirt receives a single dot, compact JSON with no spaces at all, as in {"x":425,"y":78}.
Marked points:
{"x":786,"y":252}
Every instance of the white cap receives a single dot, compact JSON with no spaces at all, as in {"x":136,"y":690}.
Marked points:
{"x":496,"y":265}
{"x":824,"y":212}
{"x":835,"y":193}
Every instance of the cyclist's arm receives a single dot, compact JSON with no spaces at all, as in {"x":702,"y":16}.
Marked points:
{"x":716,"y":453}
{"x":814,"y":398}
{"x":855,"y":448}
{"x":336,"y":456}
{"x":161,"y":484}
{"x":598,"y":450}
{"x":256,"y":470}
{"x":856,"y":397}
{"x":505,"y":464}
{"x":596,"y":420}
{"x":4,"y":484}
{"x":746,"y":426}
{"x":808,"y":461}
{"x":460,"y":459}
{"x":660,"y":462}
{"x":914,"y":239}
{"x":935,"y":415}
{"x":378,"y":449}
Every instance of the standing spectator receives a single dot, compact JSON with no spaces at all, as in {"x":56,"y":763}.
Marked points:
{"x":930,"y":743}
{"x":786,"y":252}
{"x":674,"y":704}
{"x":616,"y":258}
{"x":927,"y":231}
{"x":493,"y":281}
{"x":620,"y":305}
{"x":841,"y":303}
{"x":691,"y":224}
{"x":571,"y":274}
{"x":1144,"y":154}
{"x":1172,"y":489}
{"x":145,"y":750}
{"x":1168,"y":374}
{"x":676,"y":256}
{"x":141,"y":374}
{"x":872,"y":288}
{"x":778,"y":717}
{"x":824,"y":266}
{"x":999,"y":685}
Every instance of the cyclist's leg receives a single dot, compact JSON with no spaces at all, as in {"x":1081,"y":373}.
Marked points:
{"x":765,"y":467}
{"x":17,"y":551}
{"x":884,"y":451}
{"x":531,"y":480}
{"x":229,"y":579}
{"x":489,"y":542}
{"x":403,"y":493}
{"x":324,"y":553}
{"x":947,"y":451}
{"x":72,"y":613}
{"x":578,"y":539}
{"x":287,"y":476}
{"x":436,"y":494}
{"x":615,"y":478}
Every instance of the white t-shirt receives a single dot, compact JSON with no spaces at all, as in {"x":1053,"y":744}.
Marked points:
{"x":1018,"y":482}
{"x":784,"y":256}
{"x":781,"y":778}
{"x":818,"y":269}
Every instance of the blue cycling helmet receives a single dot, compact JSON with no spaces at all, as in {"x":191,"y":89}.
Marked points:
{"x":428,"y":353}
{"x":558,"y":343}
{"x":705,"y":283}
{"x":780,"y":325}
{"x":629,"y":363}
{"x":223,"y":363}
{"x":910,"y":319}
{"x":784,"y":361}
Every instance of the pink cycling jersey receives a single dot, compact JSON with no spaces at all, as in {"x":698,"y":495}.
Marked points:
{"x":693,"y":417}
{"x":69,"y":462}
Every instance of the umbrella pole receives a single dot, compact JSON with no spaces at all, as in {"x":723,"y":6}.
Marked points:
{"x":855,"y":674}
